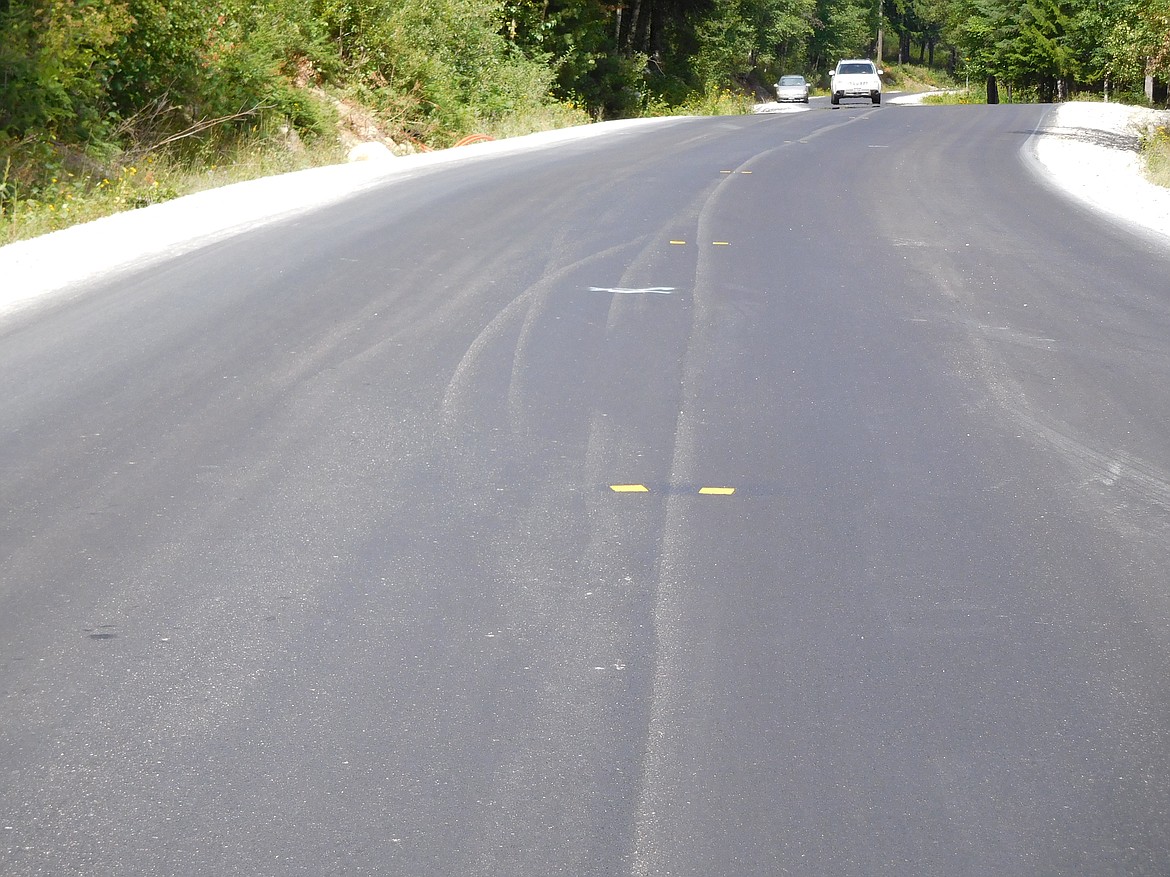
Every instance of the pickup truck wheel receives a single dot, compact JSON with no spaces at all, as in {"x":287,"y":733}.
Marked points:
{"x":834,"y":100}
{"x":877,"y":99}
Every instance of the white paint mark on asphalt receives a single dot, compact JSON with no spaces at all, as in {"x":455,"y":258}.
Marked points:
{"x":775,"y":108}
{"x":647,"y":290}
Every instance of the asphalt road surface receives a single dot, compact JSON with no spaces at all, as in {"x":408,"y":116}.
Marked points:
{"x":740,"y":496}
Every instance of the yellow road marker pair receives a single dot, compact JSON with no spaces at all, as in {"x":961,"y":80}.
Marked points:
{"x":745,"y":173}
{"x":713,"y":243}
{"x":642,"y":488}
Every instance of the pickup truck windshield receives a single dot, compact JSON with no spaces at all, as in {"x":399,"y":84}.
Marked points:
{"x":856,"y":68}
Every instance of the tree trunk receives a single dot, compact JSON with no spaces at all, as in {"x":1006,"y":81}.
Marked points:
{"x":627,"y":20}
{"x":992,"y":90}
{"x":641,"y":35}
{"x":657,"y":31}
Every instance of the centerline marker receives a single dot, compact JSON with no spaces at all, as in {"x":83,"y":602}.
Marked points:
{"x":702,"y":491}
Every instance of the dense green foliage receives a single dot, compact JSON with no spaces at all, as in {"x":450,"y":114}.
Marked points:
{"x":91,"y":87}
{"x":1048,"y":49}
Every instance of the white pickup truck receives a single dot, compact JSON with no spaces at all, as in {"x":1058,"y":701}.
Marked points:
{"x":855,"y":78}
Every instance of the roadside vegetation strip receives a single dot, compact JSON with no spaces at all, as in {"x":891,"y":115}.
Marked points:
{"x":70,"y":199}
{"x":1155,"y":145}
{"x":953,"y":97}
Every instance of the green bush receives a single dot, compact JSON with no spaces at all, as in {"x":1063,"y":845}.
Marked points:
{"x":56,"y":61}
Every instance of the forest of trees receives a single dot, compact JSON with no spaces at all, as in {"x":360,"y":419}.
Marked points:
{"x":86,"y":78}
{"x":1052,"y":48}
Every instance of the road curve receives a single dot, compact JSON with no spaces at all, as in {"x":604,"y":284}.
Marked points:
{"x":780,"y":494}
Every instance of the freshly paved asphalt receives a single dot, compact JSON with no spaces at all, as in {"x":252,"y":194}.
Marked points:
{"x":311,"y":561}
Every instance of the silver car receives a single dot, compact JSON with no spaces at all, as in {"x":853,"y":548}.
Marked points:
{"x":792,"y":88}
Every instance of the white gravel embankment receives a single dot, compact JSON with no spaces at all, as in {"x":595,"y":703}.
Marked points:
{"x":1088,"y":149}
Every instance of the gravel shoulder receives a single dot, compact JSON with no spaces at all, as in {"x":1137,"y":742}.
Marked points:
{"x":1087,"y":149}
{"x":1090,"y":150}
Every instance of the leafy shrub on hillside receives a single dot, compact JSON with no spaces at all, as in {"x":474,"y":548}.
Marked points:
{"x":56,"y":61}
{"x":438,"y":67}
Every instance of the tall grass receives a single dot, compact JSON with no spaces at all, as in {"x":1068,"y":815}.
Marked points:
{"x":916,"y":78}
{"x":72,"y":198}
{"x":1156,"y":151}
{"x":547,"y":117}
{"x":712,"y":101}
{"x":975,"y":94}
